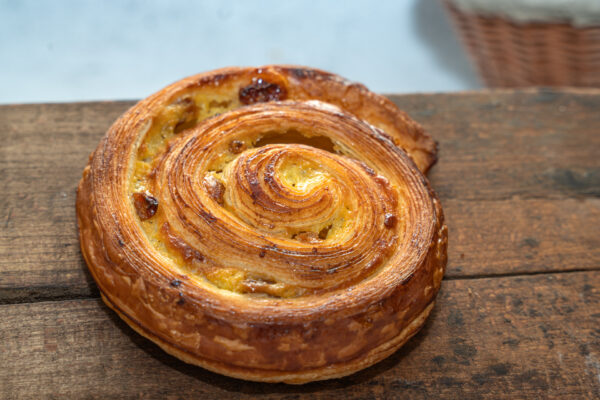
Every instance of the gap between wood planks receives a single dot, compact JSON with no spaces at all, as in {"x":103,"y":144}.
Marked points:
{"x":517,"y":196}
{"x":39,"y":298}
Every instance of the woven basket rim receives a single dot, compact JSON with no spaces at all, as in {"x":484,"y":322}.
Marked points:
{"x":507,"y":20}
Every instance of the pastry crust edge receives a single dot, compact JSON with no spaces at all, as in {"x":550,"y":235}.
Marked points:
{"x":337,"y":370}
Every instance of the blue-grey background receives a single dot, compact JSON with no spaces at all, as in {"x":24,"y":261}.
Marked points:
{"x":54,"y":51}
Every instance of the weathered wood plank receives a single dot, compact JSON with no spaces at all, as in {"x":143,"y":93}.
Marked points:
{"x":512,"y":143}
{"x":522,"y":236}
{"x":506,"y":212}
{"x":43,"y":150}
{"x":510,"y":337}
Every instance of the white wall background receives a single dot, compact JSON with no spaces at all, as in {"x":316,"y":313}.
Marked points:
{"x":99,"y":50}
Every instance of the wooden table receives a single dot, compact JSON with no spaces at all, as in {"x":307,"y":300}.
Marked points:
{"x":519,"y":311}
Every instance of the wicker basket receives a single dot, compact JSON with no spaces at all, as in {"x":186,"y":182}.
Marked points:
{"x":510,"y":54}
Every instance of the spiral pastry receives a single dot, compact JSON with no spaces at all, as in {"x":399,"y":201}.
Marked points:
{"x":270,"y":224}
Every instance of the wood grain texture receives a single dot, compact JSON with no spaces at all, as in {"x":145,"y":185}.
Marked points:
{"x":43,"y":150}
{"x":518,"y":175}
{"x":522,"y":236}
{"x":487,"y":338}
{"x":506,"y":144}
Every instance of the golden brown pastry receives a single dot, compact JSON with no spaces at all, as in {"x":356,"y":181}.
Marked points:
{"x":266,"y":223}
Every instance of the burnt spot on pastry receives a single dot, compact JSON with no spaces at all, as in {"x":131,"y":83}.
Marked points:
{"x":181,"y":300}
{"x":189,"y":114}
{"x":145,"y":205}
{"x":261,"y":91}
{"x":390,"y":220}
{"x":215,"y":188}
{"x":262,"y":253}
{"x":175,"y":282}
{"x":237,"y":146}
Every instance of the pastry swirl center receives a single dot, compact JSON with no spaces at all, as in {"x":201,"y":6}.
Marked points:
{"x":283,"y":191}
{"x":296,"y":218}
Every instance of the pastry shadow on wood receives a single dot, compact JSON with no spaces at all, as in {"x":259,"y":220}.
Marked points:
{"x":206,"y":377}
